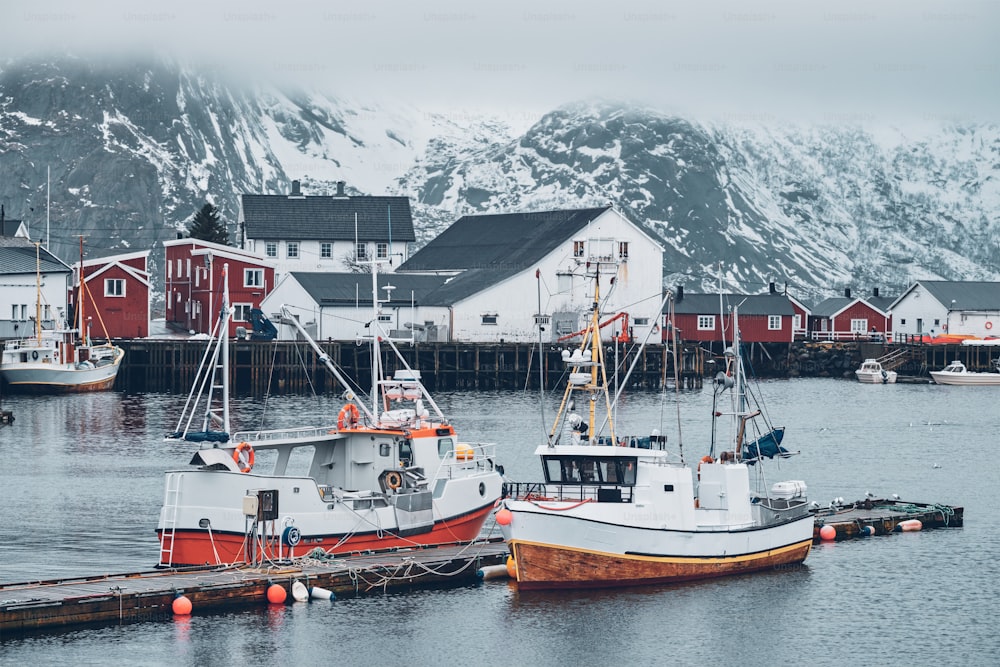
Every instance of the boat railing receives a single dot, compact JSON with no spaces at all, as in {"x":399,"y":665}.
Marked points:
{"x":466,"y":457}
{"x":305,"y":434}
{"x":543,"y":491}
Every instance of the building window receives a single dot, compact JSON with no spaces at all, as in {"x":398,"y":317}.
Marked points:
{"x":706,"y":323}
{"x":361,"y":251}
{"x":292,"y":250}
{"x":382,"y":250}
{"x":774,"y":322}
{"x":271,"y":249}
{"x":490,"y":318}
{"x":253,"y":277}
{"x":859,"y":326}
{"x":114,"y":287}
{"x":623,"y":249}
{"x":241,"y":312}
{"x":326,"y":250}
{"x":578,"y":248}
{"x":797,"y":321}
{"x":902,"y":322}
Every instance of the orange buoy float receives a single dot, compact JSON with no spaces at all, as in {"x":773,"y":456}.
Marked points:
{"x":511,"y":567}
{"x":504,"y":517}
{"x":182,"y":606}
{"x":909,"y":526}
{"x":828,"y":533}
{"x":348,"y":416}
{"x":243,"y":455}
{"x":276,"y":594}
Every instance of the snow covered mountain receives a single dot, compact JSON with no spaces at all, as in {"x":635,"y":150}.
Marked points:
{"x":135,"y":149}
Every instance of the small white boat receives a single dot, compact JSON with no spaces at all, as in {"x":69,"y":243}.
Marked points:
{"x":60,"y":361}
{"x":871,"y":372}
{"x":957,"y":373}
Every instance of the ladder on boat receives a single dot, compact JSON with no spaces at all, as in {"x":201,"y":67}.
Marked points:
{"x":171,"y":498}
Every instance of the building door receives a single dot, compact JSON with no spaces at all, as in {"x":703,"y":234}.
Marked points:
{"x":920,"y":326}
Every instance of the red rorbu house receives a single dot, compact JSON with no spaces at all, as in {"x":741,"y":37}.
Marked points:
{"x":852,"y":318}
{"x":707,"y":318}
{"x":118,"y":295}
{"x":194,"y":271}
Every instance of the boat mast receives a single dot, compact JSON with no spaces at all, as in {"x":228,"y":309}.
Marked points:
{"x":38,"y":293}
{"x":83,"y":334}
{"x":376,"y":329}
{"x":224,"y":336}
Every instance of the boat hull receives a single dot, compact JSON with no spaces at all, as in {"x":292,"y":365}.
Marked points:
{"x":549,"y":566}
{"x":966,"y":379}
{"x":202,"y":547}
{"x":47,"y":378}
{"x":556,"y":549}
{"x":876,"y":378}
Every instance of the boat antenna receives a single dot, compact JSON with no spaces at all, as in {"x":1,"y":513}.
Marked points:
{"x":83,"y":333}
{"x":48,"y":183}
{"x":38,"y":293}
{"x":541,"y":361}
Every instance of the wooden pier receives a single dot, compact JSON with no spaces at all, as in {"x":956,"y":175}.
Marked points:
{"x":882,"y":516}
{"x":259,"y":367}
{"x":149,"y":596}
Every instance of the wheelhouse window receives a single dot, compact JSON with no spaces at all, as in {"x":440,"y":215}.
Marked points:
{"x":241,"y":312}
{"x":326,"y":250}
{"x":774,"y":322}
{"x":619,"y":470}
{"x":706,"y":323}
{"x":271,"y":249}
{"x":114,"y":287}
{"x":445,"y":445}
{"x":253,"y":277}
{"x":292,"y":250}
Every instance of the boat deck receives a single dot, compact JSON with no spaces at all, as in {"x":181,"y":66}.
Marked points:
{"x":883,"y":516}
{"x":149,"y":596}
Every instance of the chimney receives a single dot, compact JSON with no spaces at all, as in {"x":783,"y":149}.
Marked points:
{"x":771,"y":288}
{"x":180,"y":235}
{"x":296,"y":192}
{"x":340,"y":189}
{"x":680,"y":294}
{"x":875,"y":292}
{"x":847,"y":292}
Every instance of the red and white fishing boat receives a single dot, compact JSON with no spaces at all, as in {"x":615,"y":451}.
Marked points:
{"x":391,"y":472}
{"x":616,"y":510}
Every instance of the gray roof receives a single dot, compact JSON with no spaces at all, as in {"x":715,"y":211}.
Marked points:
{"x":750,"y":304}
{"x":17,"y":256}
{"x":967,"y":295}
{"x":325,"y":218}
{"x":345,"y":289}
{"x":503,"y":244}
{"x":834,"y":305}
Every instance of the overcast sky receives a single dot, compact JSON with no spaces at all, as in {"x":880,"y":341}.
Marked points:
{"x":876,"y":60}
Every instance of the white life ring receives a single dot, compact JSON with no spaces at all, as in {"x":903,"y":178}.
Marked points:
{"x":989,"y":325}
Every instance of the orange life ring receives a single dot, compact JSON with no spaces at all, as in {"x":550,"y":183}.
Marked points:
{"x":243,"y":455}
{"x":393,"y":480}
{"x":989,"y":325}
{"x":348,"y":416}
{"x":704,"y":459}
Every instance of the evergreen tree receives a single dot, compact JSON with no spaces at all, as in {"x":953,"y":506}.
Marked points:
{"x":207,"y":225}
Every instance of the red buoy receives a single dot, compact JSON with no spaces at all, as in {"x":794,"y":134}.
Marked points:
{"x":182,"y":606}
{"x":276,"y":594}
{"x":828,"y":533}
{"x":504,"y":517}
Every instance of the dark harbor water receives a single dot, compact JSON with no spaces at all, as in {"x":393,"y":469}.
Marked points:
{"x":81,"y":485}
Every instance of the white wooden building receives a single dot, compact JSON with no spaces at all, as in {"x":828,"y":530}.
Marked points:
{"x":943,"y":306}
{"x":27,"y":271}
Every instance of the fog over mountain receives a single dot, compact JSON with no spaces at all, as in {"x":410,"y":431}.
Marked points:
{"x":134,"y":149}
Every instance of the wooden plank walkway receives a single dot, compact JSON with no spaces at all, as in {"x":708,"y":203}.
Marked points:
{"x":883,"y":516}
{"x":149,"y":596}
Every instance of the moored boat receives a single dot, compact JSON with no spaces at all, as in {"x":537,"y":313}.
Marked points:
{"x":872,"y":372}
{"x":390,"y":472}
{"x":63,"y":360}
{"x":618,"y":510}
{"x":956,"y":373}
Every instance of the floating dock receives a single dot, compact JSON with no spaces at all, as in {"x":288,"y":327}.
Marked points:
{"x":881,"y":516}
{"x":150,"y":596}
